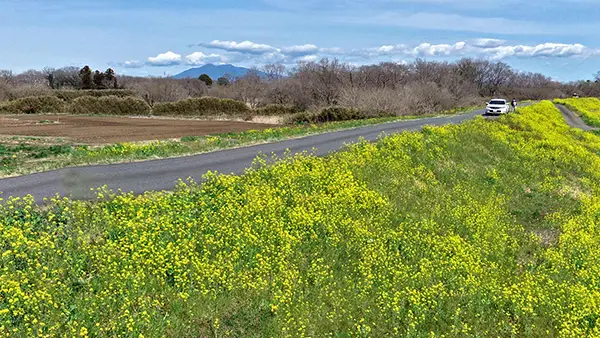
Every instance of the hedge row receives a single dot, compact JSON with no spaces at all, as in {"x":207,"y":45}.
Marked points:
{"x":192,"y":107}
{"x":33,"y":105}
{"x":204,"y":106}
{"x":109,"y":105}
{"x":70,"y":95}
{"x":331,"y":114}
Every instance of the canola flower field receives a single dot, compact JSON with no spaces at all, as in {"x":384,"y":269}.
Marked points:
{"x":588,"y":108}
{"x":488,"y":228}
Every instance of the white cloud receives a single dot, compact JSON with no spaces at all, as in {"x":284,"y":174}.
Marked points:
{"x":308,"y":58}
{"x":133,"y":64}
{"x":556,"y":50}
{"x":275,"y":57}
{"x":300,"y":50}
{"x":427,"y":49}
{"x":248,"y":47}
{"x":332,"y":51}
{"x":166,"y":59}
{"x":199,"y":58}
{"x":255,"y":53}
{"x":487,"y":43}
{"x":378,"y":51}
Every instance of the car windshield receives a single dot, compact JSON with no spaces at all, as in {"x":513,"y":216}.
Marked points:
{"x":497,"y":102}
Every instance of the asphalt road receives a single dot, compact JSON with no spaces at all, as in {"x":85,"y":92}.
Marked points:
{"x":163,"y":174}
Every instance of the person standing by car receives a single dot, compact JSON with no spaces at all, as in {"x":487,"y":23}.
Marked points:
{"x":513,"y":103}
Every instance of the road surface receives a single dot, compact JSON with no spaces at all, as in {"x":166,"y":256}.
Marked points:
{"x":163,"y":174}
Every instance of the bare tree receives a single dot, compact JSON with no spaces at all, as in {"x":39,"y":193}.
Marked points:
{"x":49,"y":75}
{"x":6,"y":76}
{"x":274,"y":71}
{"x":250,"y":88}
{"x":30,"y":77}
{"x":322,"y":81}
{"x":67,"y":78}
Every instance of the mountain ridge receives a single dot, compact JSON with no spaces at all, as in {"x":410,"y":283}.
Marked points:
{"x":214,"y":71}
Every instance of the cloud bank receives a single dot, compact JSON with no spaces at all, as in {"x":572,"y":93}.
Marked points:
{"x":252,"y":52}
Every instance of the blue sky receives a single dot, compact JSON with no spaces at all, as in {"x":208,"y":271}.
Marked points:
{"x":158,"y":37}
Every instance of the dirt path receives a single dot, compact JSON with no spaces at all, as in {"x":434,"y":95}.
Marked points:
{"x":573,"y":120}
{"x":102,"y":130}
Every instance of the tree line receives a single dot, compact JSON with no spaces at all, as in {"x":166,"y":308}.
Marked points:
{"x":421,"y":85}
{"x":62,"y":78}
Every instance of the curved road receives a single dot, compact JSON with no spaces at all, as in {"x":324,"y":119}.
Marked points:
{"x":163,"y":174}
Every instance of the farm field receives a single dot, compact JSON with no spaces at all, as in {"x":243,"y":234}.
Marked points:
{"x":106,"y":130}
{"x":488,"y":228}
{"x":28,"y":154}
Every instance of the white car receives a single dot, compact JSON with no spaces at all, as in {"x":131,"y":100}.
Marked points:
{"x":497,"y":107}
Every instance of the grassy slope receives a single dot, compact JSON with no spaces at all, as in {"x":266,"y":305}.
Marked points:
{"x":484,"y":229}
{"x":25,"y":155}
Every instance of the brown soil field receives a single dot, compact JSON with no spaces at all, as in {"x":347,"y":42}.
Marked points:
{"x":102,"y":130}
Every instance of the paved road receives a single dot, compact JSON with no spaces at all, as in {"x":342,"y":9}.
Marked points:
{"x":163,"y":174}
{"x":573,"y":119}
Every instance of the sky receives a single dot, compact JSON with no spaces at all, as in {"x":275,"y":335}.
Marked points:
{"x":560,"y":39}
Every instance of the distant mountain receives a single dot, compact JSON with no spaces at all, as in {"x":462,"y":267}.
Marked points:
{"x":214,"y":71}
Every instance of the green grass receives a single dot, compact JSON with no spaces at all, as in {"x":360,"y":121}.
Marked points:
{"x":24,"y":162}
{"x":484,"y":229}
{"x":13,"y":155}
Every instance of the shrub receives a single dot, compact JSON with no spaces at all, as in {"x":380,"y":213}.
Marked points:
{"x":204,"y":106}
{"x":109,"y":105}
{"x":277,"y":110}
{"x":70,"y":95}
{"x":33,"y":105}
{"x":23,"y":91}
{"x":335,"y":113}
{"x":375,"y":99}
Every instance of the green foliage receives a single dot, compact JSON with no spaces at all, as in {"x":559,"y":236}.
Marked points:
{"x":33,"y":105}
{"x":109,"y":105}
{"x":98,"y":80}
{"x":86,"y":78}
{"x":206,"y":79}
{"x":204,"y":106}
{"x":484,"y":229}
{"x":223,"y":81}
{"x":13,"y":155}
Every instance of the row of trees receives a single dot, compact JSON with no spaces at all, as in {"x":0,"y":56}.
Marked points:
{"x":222,"y":81}
{"x":399,"y":87}
{"x":63,"y":78}
{"x":95,"y":80}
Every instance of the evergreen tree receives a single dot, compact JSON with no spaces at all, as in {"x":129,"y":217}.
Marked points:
{"x":206,"y":79}
{"x":86,"y":77}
